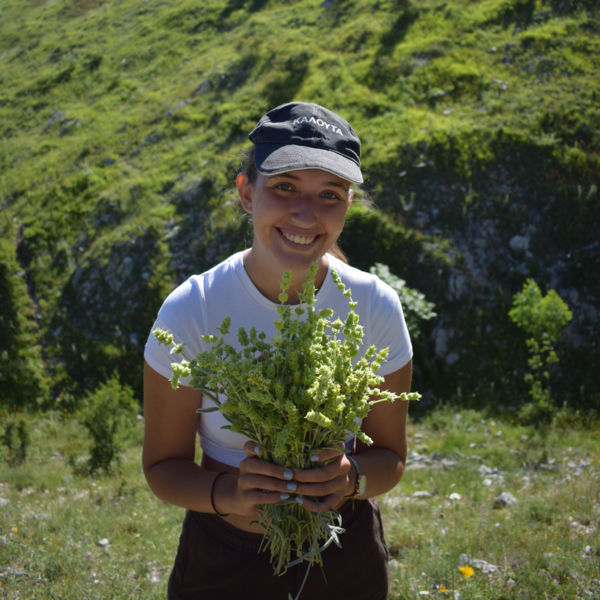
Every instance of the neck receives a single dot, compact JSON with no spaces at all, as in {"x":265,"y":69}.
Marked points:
{"x":267,"y":279}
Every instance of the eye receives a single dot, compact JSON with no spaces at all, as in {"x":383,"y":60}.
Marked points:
{"x":286,"y":187}
{"x":330,"y":196}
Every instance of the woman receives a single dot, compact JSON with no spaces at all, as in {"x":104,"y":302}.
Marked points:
{"x":296,"y":187}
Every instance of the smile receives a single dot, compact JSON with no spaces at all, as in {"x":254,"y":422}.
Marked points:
{"x":298,"y":239}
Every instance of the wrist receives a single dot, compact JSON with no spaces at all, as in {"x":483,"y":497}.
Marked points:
{"x":352,"y":477}
{"x":360,"y":480}
{"x":222,"y":493}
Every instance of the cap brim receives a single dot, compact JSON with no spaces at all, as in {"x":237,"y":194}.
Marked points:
{"x":274,"y":159}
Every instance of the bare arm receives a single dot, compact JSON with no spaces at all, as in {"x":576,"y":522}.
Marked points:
{"x":169,"y":444}
{"x":383,"y":462}
{"x":168,"y":457}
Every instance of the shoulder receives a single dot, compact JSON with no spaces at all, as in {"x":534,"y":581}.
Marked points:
{"x":196,"y":288}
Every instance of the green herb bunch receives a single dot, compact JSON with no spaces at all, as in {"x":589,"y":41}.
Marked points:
{"x":295,"y":395}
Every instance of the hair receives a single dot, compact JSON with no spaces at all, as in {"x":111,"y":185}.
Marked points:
{"x":248,"y":166}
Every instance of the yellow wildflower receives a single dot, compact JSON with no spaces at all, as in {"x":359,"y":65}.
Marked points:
{"x":467,"y":571}
{"x":443,"y":589}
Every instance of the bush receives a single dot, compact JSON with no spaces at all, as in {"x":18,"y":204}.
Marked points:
{"x":15,"y":439}
{"x":543,"y":318}
{"x":104,"y":412}
{"x":414,"y":303}
{"x":537,"y":414}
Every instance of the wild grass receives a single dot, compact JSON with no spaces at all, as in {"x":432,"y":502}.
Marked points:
{"x":545,"y":546}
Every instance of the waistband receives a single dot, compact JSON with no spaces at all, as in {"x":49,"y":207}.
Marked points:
{"x":245,"y":541}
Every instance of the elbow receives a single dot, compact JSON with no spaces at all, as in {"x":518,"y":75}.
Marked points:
{"x":399,"y":466}
{"x":152,"y":478}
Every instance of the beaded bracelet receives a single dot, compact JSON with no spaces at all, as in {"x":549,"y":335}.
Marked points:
{"x":212,"y":494}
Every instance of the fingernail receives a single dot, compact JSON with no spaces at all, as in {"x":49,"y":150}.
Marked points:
{"x":314,"y":458}
{"x":291,"y":487}
{"x":257,"y":449}
{"x":284,"y":496}
{"x":288,"y":474}
{"x":299,"y":500}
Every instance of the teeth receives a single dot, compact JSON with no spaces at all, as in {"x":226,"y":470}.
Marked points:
{"x":298,"y":239}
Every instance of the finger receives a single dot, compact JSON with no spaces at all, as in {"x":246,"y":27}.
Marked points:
{"x":255,"y":466}
{"x":252,"y":481}
{"x":326,"y":454}
{"x":324,"y":505}
{"x":256,"y":497}
{"x":252,"y":448}
{"x":337,"y":467}
{"x":331,"y":486}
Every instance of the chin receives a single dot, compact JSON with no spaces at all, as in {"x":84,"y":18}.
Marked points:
{"x":299,"y":261}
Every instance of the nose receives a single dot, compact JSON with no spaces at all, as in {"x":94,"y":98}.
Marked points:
{"x":303,"y":209}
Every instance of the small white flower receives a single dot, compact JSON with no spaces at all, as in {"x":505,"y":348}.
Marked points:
{"x":455,"y":496}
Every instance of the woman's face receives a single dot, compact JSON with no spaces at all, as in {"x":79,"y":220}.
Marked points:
{"x":297,"y":216}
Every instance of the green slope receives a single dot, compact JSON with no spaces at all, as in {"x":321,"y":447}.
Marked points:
{"x":121,"y":124}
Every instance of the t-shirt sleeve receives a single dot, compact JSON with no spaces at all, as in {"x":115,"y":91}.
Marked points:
{"x":388,"y":328}
{"x":183,"y":315}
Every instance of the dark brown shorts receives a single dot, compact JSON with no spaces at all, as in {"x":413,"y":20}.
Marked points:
{"x":216,"y":561}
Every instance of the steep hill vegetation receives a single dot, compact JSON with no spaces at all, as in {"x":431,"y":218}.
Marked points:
{"x":121,"y":125}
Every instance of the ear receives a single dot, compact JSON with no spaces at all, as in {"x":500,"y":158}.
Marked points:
{"x":245,"y":189}
{"x":350,"y":196}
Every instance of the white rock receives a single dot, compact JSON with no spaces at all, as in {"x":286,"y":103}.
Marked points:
{"x":505,"y":499}
{"x":452,"y":358}
{"x":485,"y":470}
{"x":4,"y":502}
{"x":422,"y":494}
{"x":481,"y":565}
{"x":393,"y":564}
{"x":519,"y":243}
{"x":442,"y":337}
{"x":588,"y":552}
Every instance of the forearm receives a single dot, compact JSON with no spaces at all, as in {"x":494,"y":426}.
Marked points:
{"x":383,"y":469}
{"x":182,"y":482}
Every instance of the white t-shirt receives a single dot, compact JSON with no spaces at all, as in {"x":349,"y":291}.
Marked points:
{"x":199,"y":305}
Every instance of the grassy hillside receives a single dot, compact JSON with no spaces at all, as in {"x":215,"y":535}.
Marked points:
{"x":121,"y":124}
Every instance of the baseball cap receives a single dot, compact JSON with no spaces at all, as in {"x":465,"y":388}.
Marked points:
{"x":298,"y":136}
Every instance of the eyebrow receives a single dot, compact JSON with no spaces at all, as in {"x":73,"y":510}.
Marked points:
{"x":327,"y":183}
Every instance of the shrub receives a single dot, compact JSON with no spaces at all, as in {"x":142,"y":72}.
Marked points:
{"x":542,"y":318}
{"x":15,"y":439}
{"x":103,"y":413}
{"x":414,"y":304}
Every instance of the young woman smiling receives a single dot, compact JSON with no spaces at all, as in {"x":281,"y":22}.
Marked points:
{"x":296,"y":187}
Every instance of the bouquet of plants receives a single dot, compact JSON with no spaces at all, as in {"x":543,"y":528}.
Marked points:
{"x":295,"y":394}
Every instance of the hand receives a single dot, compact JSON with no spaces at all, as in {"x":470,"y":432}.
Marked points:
{"x":329,"y":482}
{"x":259,"y":482}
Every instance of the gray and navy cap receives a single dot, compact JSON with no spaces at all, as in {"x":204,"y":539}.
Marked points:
{"x":299,"y":136}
